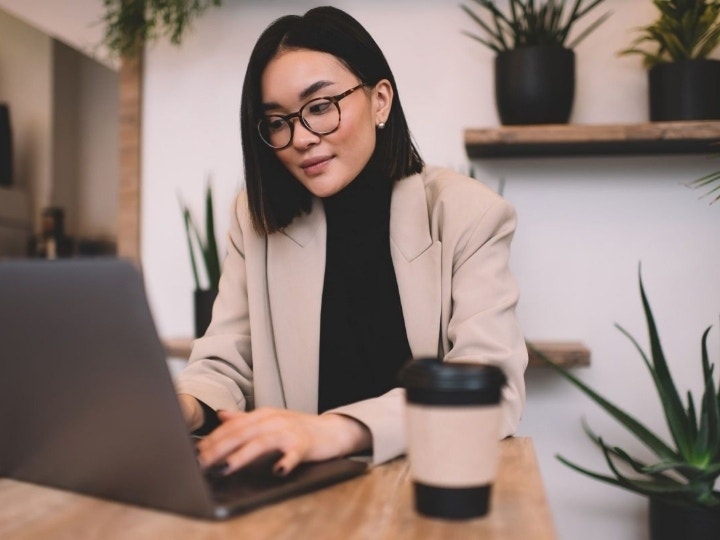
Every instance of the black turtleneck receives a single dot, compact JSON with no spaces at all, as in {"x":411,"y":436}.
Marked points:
{"x":363,"y":342}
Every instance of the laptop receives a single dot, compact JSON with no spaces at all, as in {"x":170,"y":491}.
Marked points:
{"x":88,"y":403}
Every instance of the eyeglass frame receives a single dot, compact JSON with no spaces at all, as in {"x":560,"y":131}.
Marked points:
{"x":298,"y":114}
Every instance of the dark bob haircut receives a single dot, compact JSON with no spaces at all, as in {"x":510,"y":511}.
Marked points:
{"x":275,"y":196}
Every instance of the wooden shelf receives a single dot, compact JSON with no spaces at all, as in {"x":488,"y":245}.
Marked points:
{"x":564,"y":353}
{"x":698,"y":137}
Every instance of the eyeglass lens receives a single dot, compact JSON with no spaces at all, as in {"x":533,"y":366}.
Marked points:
{"x":321,"y":116}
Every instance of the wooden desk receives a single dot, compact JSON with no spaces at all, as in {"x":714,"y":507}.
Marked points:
{"x":375,"y":506}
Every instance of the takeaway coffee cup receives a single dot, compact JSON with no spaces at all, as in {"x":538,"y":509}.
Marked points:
{"x":452,"y":423}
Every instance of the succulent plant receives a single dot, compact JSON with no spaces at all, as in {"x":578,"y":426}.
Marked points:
{"x":685,"y":30}
{"x":685,"y":471}
{"x":530,"y":23}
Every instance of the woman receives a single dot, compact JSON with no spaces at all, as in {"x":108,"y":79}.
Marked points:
{"x":346,"y":257}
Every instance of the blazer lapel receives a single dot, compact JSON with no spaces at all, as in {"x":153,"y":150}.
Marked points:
{"x":416,"y":259}
{"x":296,"y":272}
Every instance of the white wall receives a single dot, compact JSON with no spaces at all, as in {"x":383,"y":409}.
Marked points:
{"x":86,"y":143}
{"x":63,"y":109}
{"x":78,"y":23}
{"x":584,"y":223}
{"x":25,"y":85}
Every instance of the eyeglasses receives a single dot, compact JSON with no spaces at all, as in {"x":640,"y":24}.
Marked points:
{"x":321,"y":116}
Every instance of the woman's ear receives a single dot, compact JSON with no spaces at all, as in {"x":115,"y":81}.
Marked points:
{"x":382,"y":98}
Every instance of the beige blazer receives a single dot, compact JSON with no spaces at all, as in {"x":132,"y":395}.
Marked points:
{"x":450,"y":243}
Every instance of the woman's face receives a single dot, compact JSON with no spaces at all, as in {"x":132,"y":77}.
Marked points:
{"x":324,"y":164}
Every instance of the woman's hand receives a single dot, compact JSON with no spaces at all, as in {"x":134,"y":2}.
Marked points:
{"x":244,"y":436}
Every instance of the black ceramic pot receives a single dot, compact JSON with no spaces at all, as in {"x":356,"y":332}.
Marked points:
{"x":6,"y":157}
{"x":204,"y":299}
{"x":535,"y":85}
{"x":674,"y":522}
{"x":685,"y":90}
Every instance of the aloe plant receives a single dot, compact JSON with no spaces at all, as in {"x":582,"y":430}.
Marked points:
{"x":685,"y":30}
{"x":207,"y":245}
{"x":686,"y":470}
{"x":530,"y":24}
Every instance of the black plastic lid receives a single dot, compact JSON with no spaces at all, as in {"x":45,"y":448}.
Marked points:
{"x":429,"y":380}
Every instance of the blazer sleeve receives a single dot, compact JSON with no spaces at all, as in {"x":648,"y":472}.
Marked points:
{"x":478,"y":323}
{"x":219,"y":371}
{"x":483,"y":325}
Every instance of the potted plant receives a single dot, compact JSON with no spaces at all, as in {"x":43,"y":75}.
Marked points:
{"x":131,"y":23}
{"x":206,"y":246}
{"x":6,"y":147}
{"x":534,"y":62}
{"x":680,"y":485}
{"x":684,"y":84}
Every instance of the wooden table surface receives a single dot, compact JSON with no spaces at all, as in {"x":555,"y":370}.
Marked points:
{"x":377,"y":505}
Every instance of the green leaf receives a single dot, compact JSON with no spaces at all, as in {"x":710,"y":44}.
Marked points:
{"x":669,"y":397}
{"x":683,"y":30}
{"x":691,"y":415}
{"x":212,"y":259}
{"x":207,"y":247}
{"x":638,"y":466}
{"x":483,"y":41}
{"x":640,"y":487}
{"x":496,"y":43}
{"x":530,"y":24}
{"x":708,"y":474}
{"x":686,"y":477}
{"x":708,"y":180}
{"x":665,"y":486}
{"x":187,"y":219}
{"x":591,"y":28}
{"x":130,"y":23}
{"x":634,"y":426}
{"x":710,"y":413}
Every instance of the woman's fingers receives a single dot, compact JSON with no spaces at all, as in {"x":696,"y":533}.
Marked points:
{"x":247,"y":453}
{"x":287,"y":463}
{"x":235,"y":431}
{"x":245,"y":436}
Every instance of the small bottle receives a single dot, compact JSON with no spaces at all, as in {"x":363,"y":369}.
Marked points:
{"x":51,"y":243}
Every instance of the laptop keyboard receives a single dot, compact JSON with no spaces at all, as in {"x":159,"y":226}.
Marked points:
{"x":255,"y":478}
{"x":256,"y":484}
